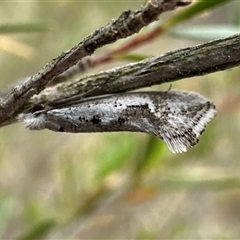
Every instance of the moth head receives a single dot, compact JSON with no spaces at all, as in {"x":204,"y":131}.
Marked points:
{"x":33,"y":121}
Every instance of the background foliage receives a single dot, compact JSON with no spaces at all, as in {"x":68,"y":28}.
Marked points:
{"x":117,"y":185}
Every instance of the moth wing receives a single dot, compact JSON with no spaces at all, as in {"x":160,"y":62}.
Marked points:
{"x":184,"y":118}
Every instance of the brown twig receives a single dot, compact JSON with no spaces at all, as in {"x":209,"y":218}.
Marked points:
{"x":90,"y":62}
{"x":127,"y":24}
{"x":198,"y":60}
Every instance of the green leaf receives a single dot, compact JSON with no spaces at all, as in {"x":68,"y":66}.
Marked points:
{"x":150,"y":154}
{"x":119,"y":151}
{"x":38,"y":230}
{"x":205,"y":32}
{"x":192,"y":11}
{"x":25,"y":27}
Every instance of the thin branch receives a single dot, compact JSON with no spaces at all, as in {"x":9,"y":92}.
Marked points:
{"x":198,"y":60}
{"x":90,"y":62}
{"x":127,"y":24}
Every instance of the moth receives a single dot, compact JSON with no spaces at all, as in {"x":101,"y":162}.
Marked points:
{"x":176,"y":117}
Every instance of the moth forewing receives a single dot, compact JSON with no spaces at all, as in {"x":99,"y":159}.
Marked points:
{"x":177,"y":117}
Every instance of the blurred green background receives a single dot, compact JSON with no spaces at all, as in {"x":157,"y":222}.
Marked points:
{"x":117,"y":185}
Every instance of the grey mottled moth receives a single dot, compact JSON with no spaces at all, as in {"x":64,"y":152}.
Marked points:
{"x":177,"y":117}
